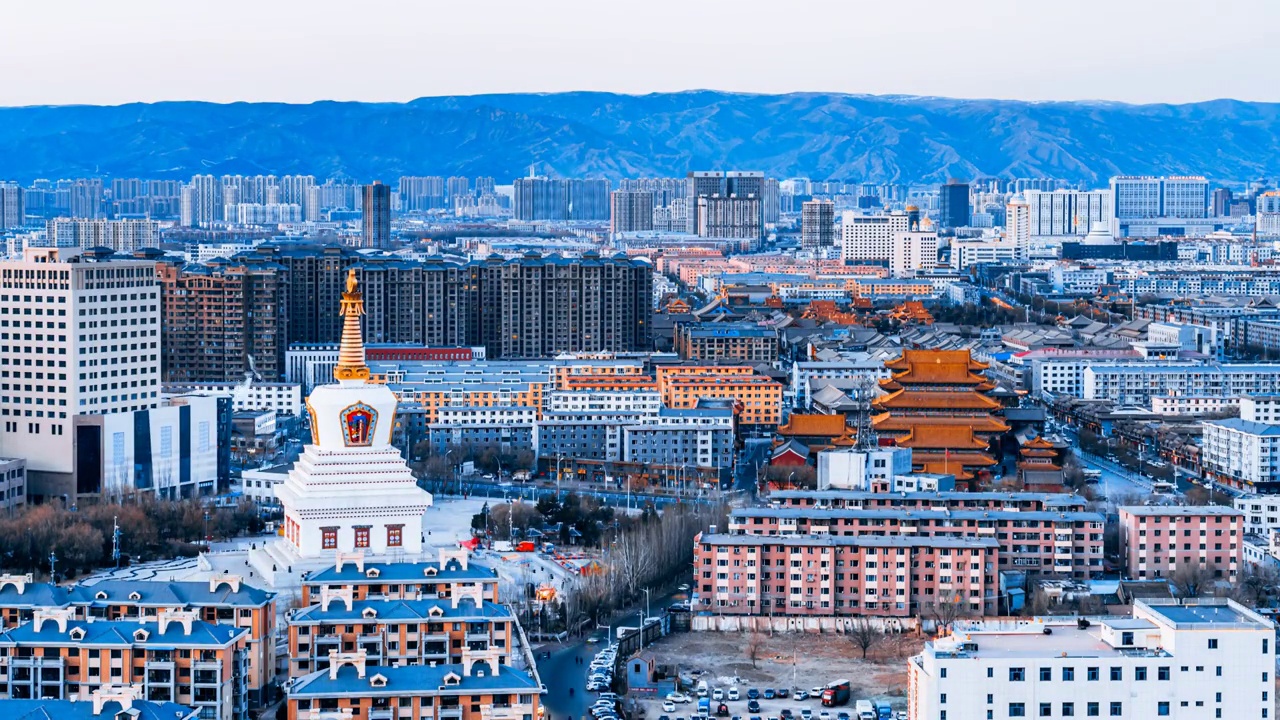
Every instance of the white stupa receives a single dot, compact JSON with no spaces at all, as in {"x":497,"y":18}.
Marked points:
{"x":351,"y":491}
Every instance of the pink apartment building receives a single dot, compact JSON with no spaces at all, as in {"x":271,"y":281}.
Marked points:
{"x":820,"y":574}
{"x":1156,"y":540}
{"x":1039,"y":542}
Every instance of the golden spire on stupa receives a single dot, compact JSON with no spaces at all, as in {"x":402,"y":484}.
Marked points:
{"x":351,"y":350}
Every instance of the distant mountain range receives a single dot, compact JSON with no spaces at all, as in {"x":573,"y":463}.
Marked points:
{"x":822,"y":136}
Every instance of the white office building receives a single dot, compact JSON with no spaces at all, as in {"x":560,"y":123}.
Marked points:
{"x":1207,"y":658}
{"x":1145,"y":206}
{"x":644,"y":402}
{"x":282,"y":398}
{"x":913,"y":252}
{"x":79,"y":335}
{"x":1242,"y":453}
{"x":967,"y":253}
{"x":869,"y":238}
{"x":1066,"y":214}
{"x":122,"y":236}
{"x":1137,"y":384}
{"x":852,"y":469}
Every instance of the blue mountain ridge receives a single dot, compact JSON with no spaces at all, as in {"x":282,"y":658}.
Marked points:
{"x":820,"y":135}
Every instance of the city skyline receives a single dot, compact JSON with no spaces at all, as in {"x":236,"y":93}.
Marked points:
{"x":514,"y":47}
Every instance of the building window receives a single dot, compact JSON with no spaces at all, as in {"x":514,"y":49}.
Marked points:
{"x":362,"y":537}
{"x":1117,"y":673}
{"x":1017,"y":674}
{"x":1091,"y":709}
{"x":1017,"y":710}
{"x":1162,"y":673}
{"x":329,"y":538}
{"x":1117,"y":709}
{"x":1046,"y":674}
{"x":1068,"y":709}
{"x":394,"y":535}
{"x":1162,"y":708}
{"x":1092,"y":674}
{"x":1068,"y":674}
{"x":1046,"y":710}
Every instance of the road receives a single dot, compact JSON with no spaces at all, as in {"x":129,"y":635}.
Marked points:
{"x":1116,"y":480}
{"x":493,"y":489}
{"x":755,"y":454}
{"x":561,"y":671}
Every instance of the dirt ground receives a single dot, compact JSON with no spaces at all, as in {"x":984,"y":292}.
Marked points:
{"x":792,"y":660}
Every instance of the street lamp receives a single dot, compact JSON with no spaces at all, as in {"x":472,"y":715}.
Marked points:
{"x":559,"y":459}
{"x":53,"y":568}
{"x":646,"y":604}
{"x":206,"y":526}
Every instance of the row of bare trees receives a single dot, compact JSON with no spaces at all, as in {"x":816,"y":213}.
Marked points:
{"x":81,"y":539}
{"x":646,"y":554}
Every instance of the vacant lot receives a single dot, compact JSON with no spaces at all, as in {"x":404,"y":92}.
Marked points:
{"x":787,"y":660}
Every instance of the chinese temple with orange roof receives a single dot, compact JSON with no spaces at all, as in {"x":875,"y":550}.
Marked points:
{"x":936,"y":403}
{"x":1040,"y":466}
{"x":912,"y":311}
{"x":828,"y":311}
{"x":817,"y":431}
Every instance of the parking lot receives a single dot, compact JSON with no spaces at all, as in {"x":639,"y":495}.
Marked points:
{"x":806,"y":661}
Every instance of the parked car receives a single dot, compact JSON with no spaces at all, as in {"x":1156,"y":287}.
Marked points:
{"x":770,"y":693}
{"x":787,"y":714}
{"x":782,"y":692}
{"x":800,"y":694}
{"x":679,"y":697}
{"x":733,"y":693}
{"x":717,"y":694}
{"x":753,"y":694}
{"x":668,"y":706}
{"x":753,"y":706}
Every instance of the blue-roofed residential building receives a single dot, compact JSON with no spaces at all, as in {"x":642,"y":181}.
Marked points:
{"x":223,"y":599}
{"x":478,"y":688}
{"x":106,"y":703}
{"x":398,"y":632}
{"x":451,"y":574}
{"x":175,"y":658}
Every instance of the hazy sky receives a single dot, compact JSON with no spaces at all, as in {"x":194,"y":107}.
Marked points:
{"x":108,"y":52}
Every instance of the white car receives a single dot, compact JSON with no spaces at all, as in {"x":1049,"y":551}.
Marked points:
{"x":717,"y":694}
{"x":679,"y":697}
{"x":733,"y":693}
{"x":668,"y":706}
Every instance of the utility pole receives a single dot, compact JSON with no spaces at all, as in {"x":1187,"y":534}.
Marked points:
{"x":115,"y":538}
{"x":53,"y":568}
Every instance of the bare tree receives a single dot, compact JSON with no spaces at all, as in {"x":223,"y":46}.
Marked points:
{"x":1190,"y":579}
{"x":755,"y":644}
{"x":946,"y":608}
{"x":865,"y":635}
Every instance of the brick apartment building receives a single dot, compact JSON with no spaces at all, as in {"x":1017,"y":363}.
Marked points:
{"x":1157,"y":541}
{"x":896,"y":576}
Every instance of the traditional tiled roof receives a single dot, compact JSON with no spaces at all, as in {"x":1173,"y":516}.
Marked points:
{"x":813,"y":425}
{"x":122,"y":633}
{"x":926,"y":399}
{"x":401,"y":611}
{"x":412,"y":680}
{"x":912,"y":358}
{"x":953,"y":437}
{"x":983,"y":424}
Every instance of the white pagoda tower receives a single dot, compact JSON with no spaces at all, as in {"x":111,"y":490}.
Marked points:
{"x":351,"y":491}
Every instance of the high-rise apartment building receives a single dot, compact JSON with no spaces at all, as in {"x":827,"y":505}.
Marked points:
{"x":420,"y":194}
{"x":913,"y":251}
{"x":94,"y":350}
{"x":456,"y":187}
{"x":817,"y":224}
{"x":552,"y":305}
{"x":296,"y":190}
{"x":123,"y":236}
{"x":202,"y":202}
{"x":12,"y":212}
{"x":734,"y":192}
{"x":953,"y":204}
{"x":630,"y":211}
{"x":664,"y":190}
{"x":376,"y":220}
{"x":221,"y":321}
{"x":1017,"y":228}
{"x":540,"y":198}
{"x":484,"y":186}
